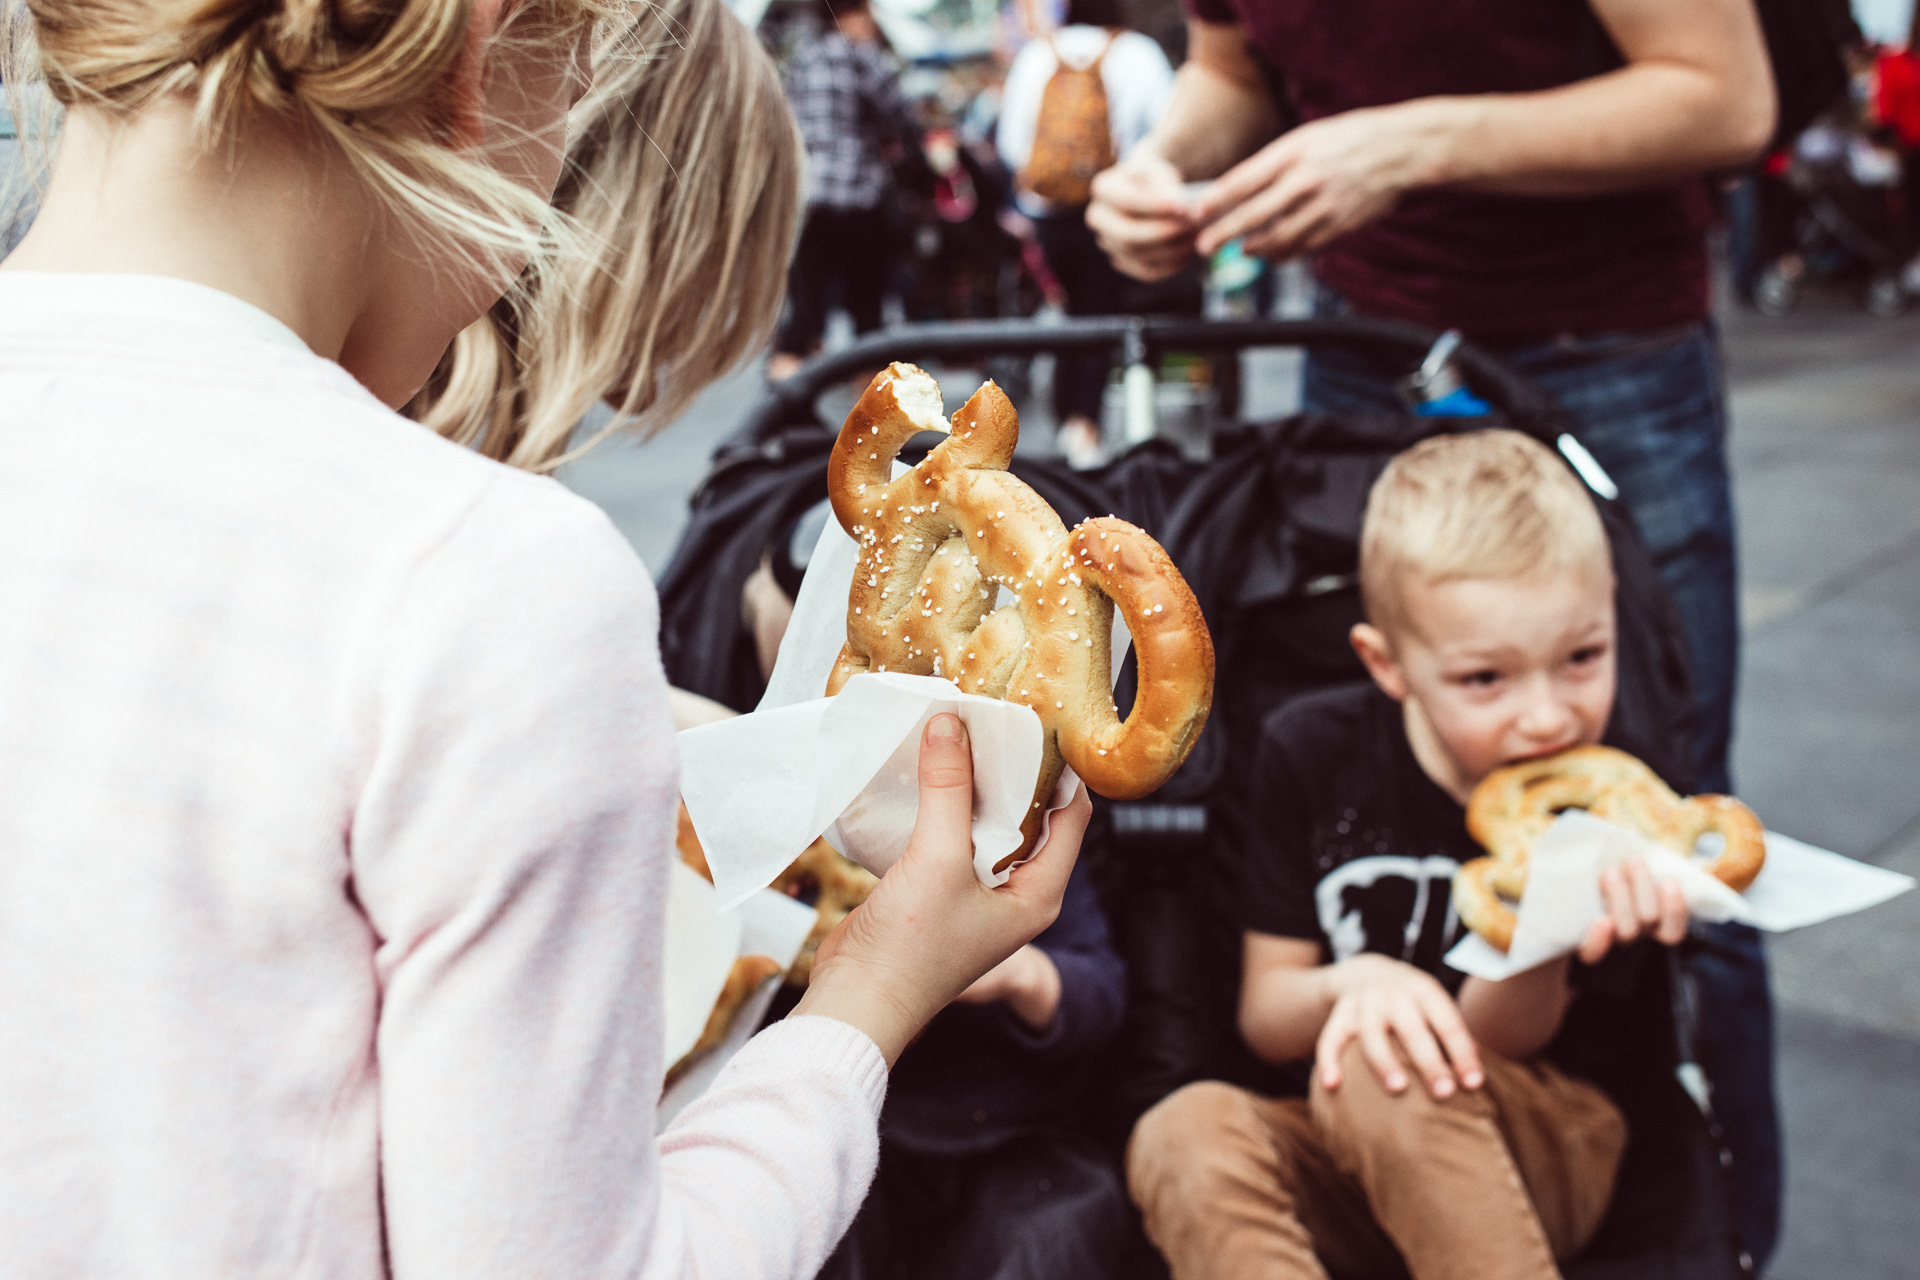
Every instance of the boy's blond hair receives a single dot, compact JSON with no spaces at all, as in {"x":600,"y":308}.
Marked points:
{"x":1481,"y":504}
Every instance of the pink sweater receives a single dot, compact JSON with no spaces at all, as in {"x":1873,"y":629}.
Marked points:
{"x":336,"y":785}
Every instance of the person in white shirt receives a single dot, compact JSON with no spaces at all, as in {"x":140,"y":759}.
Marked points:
{"x":1138,"y":81}
{"x":338,"y":769}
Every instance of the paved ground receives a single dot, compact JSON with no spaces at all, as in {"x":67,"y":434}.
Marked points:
{"x":1826,"y":453}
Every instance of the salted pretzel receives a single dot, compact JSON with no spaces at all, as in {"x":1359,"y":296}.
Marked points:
{"x":834,"y":885}
{"x":938,"y":543}
{"x":1514,"y":805}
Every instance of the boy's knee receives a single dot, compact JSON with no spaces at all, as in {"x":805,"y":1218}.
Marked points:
{"x":1191,"y":1144}
{"x":1361,"y":1120}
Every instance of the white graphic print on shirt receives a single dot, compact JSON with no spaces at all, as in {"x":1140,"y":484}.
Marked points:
{"x":1385,"y":903}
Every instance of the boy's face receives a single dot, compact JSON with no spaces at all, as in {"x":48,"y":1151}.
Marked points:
{"x":1495,"y":670}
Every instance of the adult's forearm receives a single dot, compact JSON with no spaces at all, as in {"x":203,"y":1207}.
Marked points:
{"x":1646,"y":123}
{"x":1213,"y":121}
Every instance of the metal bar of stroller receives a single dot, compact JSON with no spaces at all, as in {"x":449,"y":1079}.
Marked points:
{"x":1135,"y":341}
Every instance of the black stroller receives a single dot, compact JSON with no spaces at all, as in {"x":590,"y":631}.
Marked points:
{"x":1266,"y":532}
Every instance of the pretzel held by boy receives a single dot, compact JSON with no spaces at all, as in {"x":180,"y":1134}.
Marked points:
{"x":939,"y":542}
{"x":1513,"y":806}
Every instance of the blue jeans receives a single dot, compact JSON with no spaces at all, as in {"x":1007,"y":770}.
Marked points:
{"x":1651,"y":408}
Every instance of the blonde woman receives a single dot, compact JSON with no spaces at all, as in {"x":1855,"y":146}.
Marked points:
{"x":684,"y":174}
{"x":337,"y":766}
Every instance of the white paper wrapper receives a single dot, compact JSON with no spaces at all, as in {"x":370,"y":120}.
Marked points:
{"x":1799,"y":885}
{"x":703,"y":942}
{"x":701,"y":945}
{"x":762,"y":787}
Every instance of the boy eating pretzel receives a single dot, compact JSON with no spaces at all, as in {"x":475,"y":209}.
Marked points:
{"x":1434,"y":1138}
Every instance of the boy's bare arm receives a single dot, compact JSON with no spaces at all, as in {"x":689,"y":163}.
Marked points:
{"x":1292,"y":1007}
{"x":1285,"y":996}
{"x":1516,"y":1018}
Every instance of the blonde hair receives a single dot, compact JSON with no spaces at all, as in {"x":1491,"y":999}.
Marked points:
{"x":368,"y":77}
{"x":1483,"y":504}
{"x":684,"y":171}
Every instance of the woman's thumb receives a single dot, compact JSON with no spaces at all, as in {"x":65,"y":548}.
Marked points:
{"x":946,"y":783}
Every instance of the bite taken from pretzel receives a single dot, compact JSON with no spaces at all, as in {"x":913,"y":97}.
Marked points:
{"x":1514,"y":805}
{"x":938,"y":544}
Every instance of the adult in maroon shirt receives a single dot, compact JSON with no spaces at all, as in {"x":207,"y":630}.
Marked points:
{"x":1459,"y":166}
{"x":1451,"y":167}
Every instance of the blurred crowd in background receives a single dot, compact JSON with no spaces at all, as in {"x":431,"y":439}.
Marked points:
{"x":934,"y":206}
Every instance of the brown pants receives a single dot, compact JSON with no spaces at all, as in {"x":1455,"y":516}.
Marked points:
{"x":1495,"y":1184}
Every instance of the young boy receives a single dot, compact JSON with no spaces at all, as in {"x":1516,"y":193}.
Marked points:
{"x":1433,"y":1140}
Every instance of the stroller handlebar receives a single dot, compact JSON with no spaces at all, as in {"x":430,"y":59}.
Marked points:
{"x":1135,"y":338}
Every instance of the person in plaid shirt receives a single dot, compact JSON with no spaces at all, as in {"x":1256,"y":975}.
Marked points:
{"x":847,"y":100}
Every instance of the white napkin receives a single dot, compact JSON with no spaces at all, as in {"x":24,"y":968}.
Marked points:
{"x":703,"y":942}
{"x":762,"y":787}
{"x":1799,"y":885}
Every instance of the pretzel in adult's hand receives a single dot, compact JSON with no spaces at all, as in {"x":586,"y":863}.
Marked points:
{"x":1514,"y":805}
{"x":938,"y":543}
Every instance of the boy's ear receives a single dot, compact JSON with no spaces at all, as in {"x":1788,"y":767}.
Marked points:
{"x":1377,"y":656}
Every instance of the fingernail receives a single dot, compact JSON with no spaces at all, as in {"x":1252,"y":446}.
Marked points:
{"x":1396,"y":1083}
{"x":945,"y":727}
{"x":1443,"y":1089}
{"x":1472,"y":1079}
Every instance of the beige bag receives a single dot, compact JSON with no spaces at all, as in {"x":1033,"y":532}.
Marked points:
{"x":1073,"y":135}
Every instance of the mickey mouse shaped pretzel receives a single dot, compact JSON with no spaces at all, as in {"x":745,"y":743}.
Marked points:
{"x":1514,"y":805}
{"x":939,"y":542}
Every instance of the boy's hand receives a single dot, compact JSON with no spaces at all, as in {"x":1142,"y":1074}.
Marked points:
{"x":1375,"y":996}
{"x":1027,"y":981}
{"x":1635,"y":905}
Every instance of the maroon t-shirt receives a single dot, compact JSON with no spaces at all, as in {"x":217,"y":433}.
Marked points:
{"x":1500,"y":267}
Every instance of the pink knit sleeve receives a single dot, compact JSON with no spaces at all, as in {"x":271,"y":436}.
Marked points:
{"x":509,"y":849}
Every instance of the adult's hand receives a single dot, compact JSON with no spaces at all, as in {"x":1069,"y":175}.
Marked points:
{"x":1380,"y":1000}
{"x":930,"y":928}
{"x":1140,"y":216}
{"x":1320,"y":180}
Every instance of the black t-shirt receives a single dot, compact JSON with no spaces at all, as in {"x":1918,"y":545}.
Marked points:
{"x":1351,"y":844}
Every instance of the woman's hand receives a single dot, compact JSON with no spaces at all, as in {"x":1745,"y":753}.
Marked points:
{"x":1139,"y":215}
{"x":1378,"y":1000}
{"x":931,"y":929}
{"x":1027,"y":981}
{"x":1636,"y":906}
{"x":1320,"y":180}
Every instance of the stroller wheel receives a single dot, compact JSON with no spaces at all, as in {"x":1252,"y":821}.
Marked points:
{"x":1776,"y":291}
{"x":1885,"y":298}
